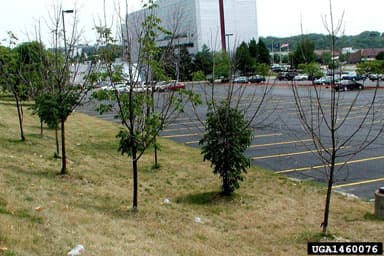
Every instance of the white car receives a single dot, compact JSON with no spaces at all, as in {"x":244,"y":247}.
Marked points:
{"x":301,"y":77}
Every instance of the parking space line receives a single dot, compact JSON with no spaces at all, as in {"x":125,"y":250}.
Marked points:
{"x":185,"y":123}
{"x":181,"y":135}
{"x":282,"y":155}
{"x":191,"y":142}
{"x":286,"y":154}
{"x":182,"y":129}
{"x":255,"y":137}
{"x":358,"y":183}
{"x":303,"y":169}
{"x":278,"y":143}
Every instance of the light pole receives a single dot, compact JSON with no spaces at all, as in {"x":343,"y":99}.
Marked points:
{"x":229,"y":59}
{"x":228,"y":35}
{"x":65,"y":40}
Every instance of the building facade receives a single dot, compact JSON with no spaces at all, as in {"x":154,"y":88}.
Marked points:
{"x":195,"y":23}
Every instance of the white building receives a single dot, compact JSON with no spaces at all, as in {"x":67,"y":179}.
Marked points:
{"x":197,"y":22}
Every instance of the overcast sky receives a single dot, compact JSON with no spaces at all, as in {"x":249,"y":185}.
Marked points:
{"x":275,"y":17}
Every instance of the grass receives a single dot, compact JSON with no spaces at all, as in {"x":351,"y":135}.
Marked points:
{"x":42,"y":213}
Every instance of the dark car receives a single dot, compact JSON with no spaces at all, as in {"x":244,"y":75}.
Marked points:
{"x":286,"y":75}
{"x":347,"y":85}
{"x":256,"y":79}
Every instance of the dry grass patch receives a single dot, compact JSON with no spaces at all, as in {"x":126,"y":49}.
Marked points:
{"x":42,"y":213}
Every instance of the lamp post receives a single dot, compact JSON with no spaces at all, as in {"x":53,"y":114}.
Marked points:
{"x":65,"y":40}
{"x":228,"y":54}
{"x":227,"y":36}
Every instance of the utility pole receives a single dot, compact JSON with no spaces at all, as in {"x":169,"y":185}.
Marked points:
{"x":222,"y":26}
{"x":65,"y":39}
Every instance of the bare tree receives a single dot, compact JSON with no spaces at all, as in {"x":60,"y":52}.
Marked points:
{"x":67,"y":90}
{"x":325,"y":116}
{"x":142,"y":112}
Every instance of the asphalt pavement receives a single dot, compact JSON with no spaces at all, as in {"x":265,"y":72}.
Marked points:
{"x":281,"y":145}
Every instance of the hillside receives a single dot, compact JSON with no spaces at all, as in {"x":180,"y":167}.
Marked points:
{"x":42,"y":213}
{"x":364,"y":40}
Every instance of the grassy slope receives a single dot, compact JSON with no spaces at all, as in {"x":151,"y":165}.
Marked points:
{"x":269,"y":215}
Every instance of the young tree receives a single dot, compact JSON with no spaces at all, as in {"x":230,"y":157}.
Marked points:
{"x":203,"y":61}
{"x":185,"y":64}
{"x":33,"y":60}
{"x":9,"y":81}
{"x":230,"y":123}
{"x":304,"y":53}
{"x":48,"y":111}
{"x":67,"y":91}
{"x":142,"y":116}
{"x":324,"y":116}
{"x":263,"y":55}
{"x":226,"y":138}
{"x":312,"y":69}
{"x":221,"y":65}
{"x":243,"y":59}
{"x":253,"y":49}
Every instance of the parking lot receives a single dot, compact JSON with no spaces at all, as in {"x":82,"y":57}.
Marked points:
{"x":279,"y":143}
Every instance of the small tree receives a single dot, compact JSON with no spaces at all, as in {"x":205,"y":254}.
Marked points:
{"x":226,"y":138}
{"x":9,"y":81}
{"x":21,"y":72}
{"x":243,"y":59}
{"x":141,"y":118}
{"x":304,"y":53}
{"x":221,"y":64}
{"x":46,"y":107}
{"x":312,"y":69}
{"x":203,"y":61}
{"x":263,"y":53}
{"x":324,"y":117}
{"x":63,"y":71}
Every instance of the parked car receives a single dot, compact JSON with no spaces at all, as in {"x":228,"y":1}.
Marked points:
{"x":374,"y":77}
{"x":174,"y":86}
{"x":240,"y":79}
{"x":169,"y":86}
{"x":322,"y":80}
{"x":352,"y":76}
{"x":118,"y":87}
{"x":300,"y":77}
{"x":286,"y":75}
{"x":347,"y":85}
{"x":256,"y":79}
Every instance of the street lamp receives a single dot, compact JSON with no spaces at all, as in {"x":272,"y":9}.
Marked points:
{"x":228,"y":52}
{"x":65,"y":40}
{"x":228,"y":35}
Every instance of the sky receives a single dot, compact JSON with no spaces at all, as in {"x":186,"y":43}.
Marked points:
{"x":280,"y":18}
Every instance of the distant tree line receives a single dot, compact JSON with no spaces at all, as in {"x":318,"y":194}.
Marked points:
{"x":365,"y":40}
{"x":245,"y":59}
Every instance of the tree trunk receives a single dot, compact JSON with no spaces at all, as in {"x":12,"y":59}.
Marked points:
{"x":324,"y":225}
{"x":135,"y":177}
{"x":155,"y":156}
{"x":57,"y":153}
{"x":20,"y":115}
{"x":63,"y":152}
{"x":41,"y":128}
